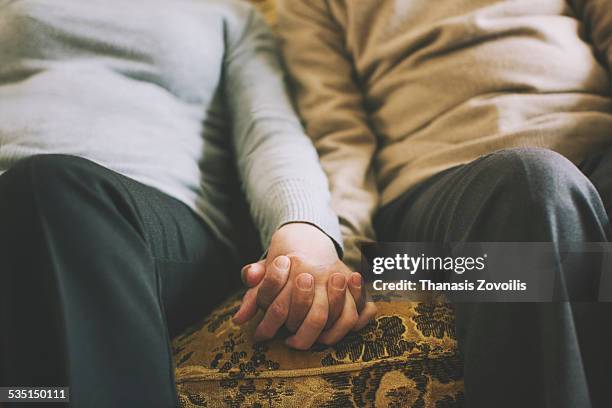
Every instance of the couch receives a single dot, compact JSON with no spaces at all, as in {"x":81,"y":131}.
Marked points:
{"x":407,"y":357}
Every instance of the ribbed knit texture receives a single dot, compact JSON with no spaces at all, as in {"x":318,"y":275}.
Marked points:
{"x":303,"y":203}
{"x":393,"y":92}
{"x":174,"y":94}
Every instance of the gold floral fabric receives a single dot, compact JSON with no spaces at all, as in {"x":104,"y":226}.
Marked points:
{"x":407,"y":357}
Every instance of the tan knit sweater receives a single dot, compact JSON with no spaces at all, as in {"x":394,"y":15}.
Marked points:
{"x":394,"y":91}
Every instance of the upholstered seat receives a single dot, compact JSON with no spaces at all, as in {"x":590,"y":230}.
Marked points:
{"x":406,"y":358}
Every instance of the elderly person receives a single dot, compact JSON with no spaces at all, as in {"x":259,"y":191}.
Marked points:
{"x":470,"y":120}
{"x":121,"y":124}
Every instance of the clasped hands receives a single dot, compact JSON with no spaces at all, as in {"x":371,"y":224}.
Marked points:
{"x":302,"y":285}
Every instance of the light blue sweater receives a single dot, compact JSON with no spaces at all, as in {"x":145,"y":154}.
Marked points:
{"x":170,"y":93}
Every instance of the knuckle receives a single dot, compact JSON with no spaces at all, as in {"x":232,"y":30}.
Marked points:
{"x":296,"y":258}
{"x":273,"y":280}
{"x":318,"y":319}
{"x":262,"y":300}
{"x":303,"y":297}
{"x":278,"y":310}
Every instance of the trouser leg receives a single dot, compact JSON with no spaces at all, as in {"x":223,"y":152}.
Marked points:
{"x":596,"y":322}
{"x":92,"y":262}
{"x":519,"y":354}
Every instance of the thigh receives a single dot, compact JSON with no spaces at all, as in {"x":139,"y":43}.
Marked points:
{"x":94,"y":216}
{"x":96,"y":261}
{"x":513,"y":195}
{"x":196,"y":271}
{"x":519,"y":195}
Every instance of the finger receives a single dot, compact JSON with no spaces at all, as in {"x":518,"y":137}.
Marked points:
{"x":345,"y":323}
{"x":248,"y":307}
{"x":315,"y":320}
{"x":274,"y":281}
{"x":357,"y":289}
{"x":275,"y":316}
{"x":301,"y":300}
{"x":366,"y":316}
{"x":253,"y":273}
{"x":336,"y":294}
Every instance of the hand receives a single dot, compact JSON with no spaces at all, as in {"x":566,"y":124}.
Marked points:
{"x":303,"y":314}
{"x":307,"y":297}
{"x":349,"y":304}
{"x":274,"y":293}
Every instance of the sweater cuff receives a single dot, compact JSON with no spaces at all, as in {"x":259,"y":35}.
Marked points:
{"x":296,"y":201}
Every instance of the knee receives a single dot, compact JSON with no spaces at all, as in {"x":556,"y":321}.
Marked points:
{"x":530,"y":194}
{"x":537,"y":177}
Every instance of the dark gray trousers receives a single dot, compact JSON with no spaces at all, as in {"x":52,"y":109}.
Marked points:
{"x":97,"y":272}
{"x":556,"y":355}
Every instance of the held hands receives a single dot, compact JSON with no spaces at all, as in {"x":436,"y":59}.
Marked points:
{"x":303,"y":285}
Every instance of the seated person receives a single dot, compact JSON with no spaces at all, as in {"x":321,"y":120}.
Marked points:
{"x":479,"y":121}
{"x":116,"y":162}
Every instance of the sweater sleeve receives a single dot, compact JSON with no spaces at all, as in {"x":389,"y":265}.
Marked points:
{"x":597,"y":18}
{"x":331,"y":105}
{"x":278,"y":165}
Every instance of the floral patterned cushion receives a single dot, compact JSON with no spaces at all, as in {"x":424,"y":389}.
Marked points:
{"x":407,"y":357}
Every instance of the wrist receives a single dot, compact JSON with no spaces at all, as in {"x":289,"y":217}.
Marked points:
{"x":304,"y":239}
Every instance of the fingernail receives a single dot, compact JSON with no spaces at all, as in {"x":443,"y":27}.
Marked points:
{"x":356,"y":280}
{"x":338,"y":281}
{"x":304,"y":281}
{"x":282,"y":262}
